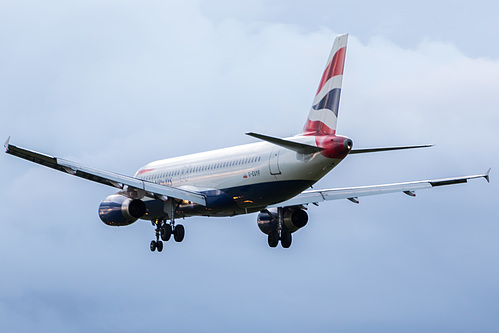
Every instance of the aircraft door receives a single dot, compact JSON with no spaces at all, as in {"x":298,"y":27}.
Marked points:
{"x":274,"y":162}
{"x":184,"y":175}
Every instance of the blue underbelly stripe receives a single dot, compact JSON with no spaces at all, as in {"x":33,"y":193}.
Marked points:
{"x":243,"y":199}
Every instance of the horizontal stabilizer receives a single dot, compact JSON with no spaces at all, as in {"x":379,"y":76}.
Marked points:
{"x":374,"y":150}
{"x":295,"y":146}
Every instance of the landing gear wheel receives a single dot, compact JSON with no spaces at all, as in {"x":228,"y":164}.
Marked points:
{"x":153,"y":246}
{"x":179,"y":233}
{"x":285,"y":239}
{"x":273,"y":239}
{"x":159,"y":246}
{"x":166,"y":232}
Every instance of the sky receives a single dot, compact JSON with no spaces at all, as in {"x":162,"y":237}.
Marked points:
{"x":117,"y":84}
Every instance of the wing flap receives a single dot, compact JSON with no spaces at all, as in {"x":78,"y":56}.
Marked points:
{"x":448,"y":182}
{"x":104,"y":177}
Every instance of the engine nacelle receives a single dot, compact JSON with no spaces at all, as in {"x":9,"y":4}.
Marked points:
{"x":294,"y":219}
{"x":267,"y":223}
{"x":120,"y":210}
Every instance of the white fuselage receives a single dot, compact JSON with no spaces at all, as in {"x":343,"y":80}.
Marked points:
{"x":240,"y":179}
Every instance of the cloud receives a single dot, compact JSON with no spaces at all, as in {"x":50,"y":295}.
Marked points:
{"x":115,"y":85}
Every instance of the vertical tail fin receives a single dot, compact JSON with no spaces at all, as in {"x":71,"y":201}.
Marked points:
{"x":324,"y":112}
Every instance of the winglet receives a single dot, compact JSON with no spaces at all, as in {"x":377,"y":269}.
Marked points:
{"x":6,"y":145}
{"x":486,"y":176}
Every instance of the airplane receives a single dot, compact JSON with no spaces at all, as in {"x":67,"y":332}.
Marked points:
{"x":272,"y":177}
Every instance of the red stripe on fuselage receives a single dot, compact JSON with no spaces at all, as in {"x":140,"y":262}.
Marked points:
{"x":144,"y":171}
{"x":334,"y":68}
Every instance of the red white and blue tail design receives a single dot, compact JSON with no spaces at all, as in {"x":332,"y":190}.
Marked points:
{"x":324,"y":113}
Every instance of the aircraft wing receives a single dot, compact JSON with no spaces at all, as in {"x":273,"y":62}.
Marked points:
{"x":352,"y":193}
{"x":104,"y":177}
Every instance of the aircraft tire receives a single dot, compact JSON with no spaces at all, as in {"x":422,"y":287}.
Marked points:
{"x":286,"y":239}
{"x":159,"y":246}
{"x":179,"y":233}
{"x":153,"y":246}
{"x":166,"y":232}
{"x":273,"y":238}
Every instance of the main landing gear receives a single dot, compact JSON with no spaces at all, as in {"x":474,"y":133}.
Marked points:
{"x":285,"y":238}
{"x":165,"y":230}
{"x":281,"y":233}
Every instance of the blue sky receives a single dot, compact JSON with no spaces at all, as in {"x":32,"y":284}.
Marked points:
{"x":116,"y":84}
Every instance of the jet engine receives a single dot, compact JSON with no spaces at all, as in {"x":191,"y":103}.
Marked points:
{"x":294,"y":218}
{"x":120,"y":210}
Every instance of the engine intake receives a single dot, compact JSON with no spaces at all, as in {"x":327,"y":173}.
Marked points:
{"x":119,"y":210}
{"x":294,"y":219}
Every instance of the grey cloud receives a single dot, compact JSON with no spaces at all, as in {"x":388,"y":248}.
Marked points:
{"x":117,"y":85}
